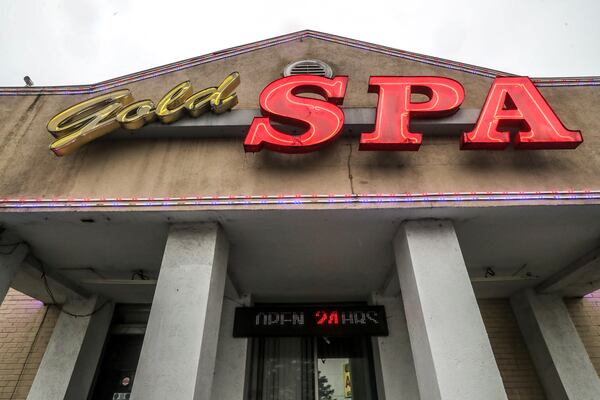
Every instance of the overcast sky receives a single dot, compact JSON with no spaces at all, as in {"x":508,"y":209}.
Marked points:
{"x":84,"y":41}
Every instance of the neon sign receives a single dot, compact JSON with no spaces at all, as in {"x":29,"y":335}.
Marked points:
{"x":344,"y":320}
{"x":395,"y":108}
{"x":100,"y":115}
{"x":513,"y":103}
{"x":279,"y":102}
{"x":516,"y":103}
{"x":514,"y":111}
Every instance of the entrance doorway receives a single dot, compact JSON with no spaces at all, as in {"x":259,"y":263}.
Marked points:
{"x":311,"y":368}
{"x":116,"y":372}
{"x":118,"y":367}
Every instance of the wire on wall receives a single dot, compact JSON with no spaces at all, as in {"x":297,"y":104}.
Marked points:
{"x":13,"y":247}
{"x":61,"y":306}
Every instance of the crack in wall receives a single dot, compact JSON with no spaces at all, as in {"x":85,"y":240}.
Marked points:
{"x":350,"y":178}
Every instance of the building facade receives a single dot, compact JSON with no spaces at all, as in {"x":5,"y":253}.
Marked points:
{"x":266,"y":223}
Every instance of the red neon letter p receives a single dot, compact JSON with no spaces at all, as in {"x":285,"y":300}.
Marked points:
{"x":395,"y":108}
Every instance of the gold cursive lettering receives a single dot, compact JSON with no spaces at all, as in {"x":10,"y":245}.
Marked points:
{"x":86,"y":121}
{"x":95,"y":117}
{"x":136,"y":115}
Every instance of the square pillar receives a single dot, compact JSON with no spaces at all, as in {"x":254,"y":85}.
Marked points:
{"x":398,"y":380}
{"x":561,"y":360}
{"x":451,"y":349}
{"x":179,"y":351}
{"x":9,"y":264}
{"x":69,"y":364}
{"x":230,"y":366}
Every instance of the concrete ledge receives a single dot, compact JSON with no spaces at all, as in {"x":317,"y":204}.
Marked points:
{"x":577,"y":279}
{"x":235,"y":124}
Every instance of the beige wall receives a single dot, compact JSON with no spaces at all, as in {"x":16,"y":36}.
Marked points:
{"x":220,"y":166}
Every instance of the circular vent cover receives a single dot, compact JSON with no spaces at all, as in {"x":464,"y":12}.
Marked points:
{"x":308,"y":67}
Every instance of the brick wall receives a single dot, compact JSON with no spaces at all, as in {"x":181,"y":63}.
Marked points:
{"x":25,"y":328}
{"x":516,"y":368}
{"x":585,"y":313}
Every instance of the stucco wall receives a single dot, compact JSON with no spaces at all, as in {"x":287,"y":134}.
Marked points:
{"x":177,"y":167}
{"x":25,"y":329}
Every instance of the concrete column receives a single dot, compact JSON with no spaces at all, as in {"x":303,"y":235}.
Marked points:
{"x":452,"y":353}
{"x":392,"y":353}
{"x":561,"y":360}
{"x":179,"y":350}
{"x":71,"y":358}
{"x":9,"y":264}
{"x":230,"y":366}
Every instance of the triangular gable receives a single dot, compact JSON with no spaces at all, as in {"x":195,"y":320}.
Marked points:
{"x":300,"y":35}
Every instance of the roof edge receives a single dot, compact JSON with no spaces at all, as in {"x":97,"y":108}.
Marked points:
{"x":261,"y":44}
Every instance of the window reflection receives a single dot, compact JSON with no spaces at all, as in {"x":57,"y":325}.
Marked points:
{"x":282,"y":368}
{"x":311,"y":368}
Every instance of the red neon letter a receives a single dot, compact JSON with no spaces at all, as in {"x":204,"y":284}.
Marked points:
{"x":395,"y":108}
{"x":279,"y":102}
{"x":514,"y":102}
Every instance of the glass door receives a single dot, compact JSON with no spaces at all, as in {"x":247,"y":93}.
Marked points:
{"x":282,"y":368}
{"x":311,"y":368}
{"x":344,"y":369}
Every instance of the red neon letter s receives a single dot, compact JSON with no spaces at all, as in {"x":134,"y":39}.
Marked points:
{"x":395,"y":108}
{"x":516,"y":102}
{"x":279,"y":102}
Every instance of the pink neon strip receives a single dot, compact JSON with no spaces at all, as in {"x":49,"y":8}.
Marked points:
{"x":298,"y":199}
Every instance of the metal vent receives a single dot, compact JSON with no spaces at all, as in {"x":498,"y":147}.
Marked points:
{"x":308,"y":67}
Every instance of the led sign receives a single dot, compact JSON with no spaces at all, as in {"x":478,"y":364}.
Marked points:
{"x":310,"y":321}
